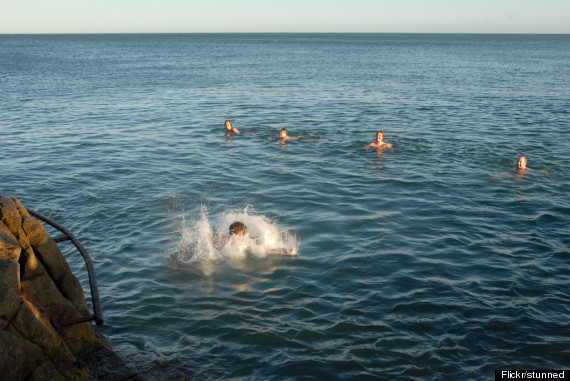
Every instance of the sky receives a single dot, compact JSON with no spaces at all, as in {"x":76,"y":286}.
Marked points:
{"x":264,"y":16}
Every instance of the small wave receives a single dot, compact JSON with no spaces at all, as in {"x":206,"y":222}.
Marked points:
{"x":207,"y":242}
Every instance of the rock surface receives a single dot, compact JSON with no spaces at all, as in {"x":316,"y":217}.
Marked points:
{"x":38,"y":288}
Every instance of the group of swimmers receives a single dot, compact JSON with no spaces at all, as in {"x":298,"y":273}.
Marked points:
{"x":239,"y":229}
{"x":378,"y":144}
{"x":284,"y":136}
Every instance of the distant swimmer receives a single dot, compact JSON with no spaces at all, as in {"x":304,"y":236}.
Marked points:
{"x":239,"y":229}
{"x":379,"y":143}
{"x":283,"y":135}
{"x":522,"y":167}
{"x":230,"y":129}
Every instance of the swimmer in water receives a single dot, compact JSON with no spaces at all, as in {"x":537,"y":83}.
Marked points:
{"x":521,"y":165}
{"x":230,"y":129}
{"x":284,"y":137}
{"x":239,"y":229}
{"x":522,"y":169}
{"x":379,"y":143}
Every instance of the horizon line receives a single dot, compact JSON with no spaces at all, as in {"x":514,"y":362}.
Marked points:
{"x":137,"y":33}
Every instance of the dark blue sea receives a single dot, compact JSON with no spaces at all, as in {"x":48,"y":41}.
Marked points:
{"x":433,"y":260}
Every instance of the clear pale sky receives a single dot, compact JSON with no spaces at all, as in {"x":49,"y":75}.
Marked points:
{"x":206,"y":16}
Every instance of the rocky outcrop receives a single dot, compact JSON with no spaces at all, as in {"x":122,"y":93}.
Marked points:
{"x":37,"y":288}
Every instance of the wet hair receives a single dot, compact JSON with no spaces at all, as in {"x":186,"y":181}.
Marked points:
{"x":285,"y":130}
{"x":238,"y":227}
{"x":380,"y":132}
{"x":226,"y":123}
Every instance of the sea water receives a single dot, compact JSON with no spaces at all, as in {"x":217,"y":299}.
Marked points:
{"x":434,"y":260}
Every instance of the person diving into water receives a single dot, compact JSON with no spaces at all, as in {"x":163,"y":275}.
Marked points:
{"x":239,"y":230}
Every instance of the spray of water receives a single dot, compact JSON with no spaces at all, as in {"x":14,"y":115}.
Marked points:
{"x":207,"y":242}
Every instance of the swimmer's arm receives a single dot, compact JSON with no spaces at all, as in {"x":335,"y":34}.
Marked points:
{"x":275,"y":252}
{"x":272,"y":252}
{"x":537,"y":170}
{"x":540,"y":171}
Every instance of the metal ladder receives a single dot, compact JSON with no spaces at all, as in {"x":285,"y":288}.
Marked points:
{"x":97,"y":315}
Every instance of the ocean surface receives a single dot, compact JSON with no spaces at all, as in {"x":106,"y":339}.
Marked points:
{"x":433,"y":260}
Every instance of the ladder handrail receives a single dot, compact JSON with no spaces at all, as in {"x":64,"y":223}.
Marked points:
{"x":97,"y":313}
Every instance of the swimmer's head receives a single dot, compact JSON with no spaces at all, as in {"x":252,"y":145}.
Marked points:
{"x":283,"y":132}
{"x":380,"y":135}
{"x":522,"y":162}
{"x":238,"y":228}
{"x":228,"y":125}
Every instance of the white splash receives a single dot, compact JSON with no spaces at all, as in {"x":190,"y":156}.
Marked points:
{"x":204,"y":242}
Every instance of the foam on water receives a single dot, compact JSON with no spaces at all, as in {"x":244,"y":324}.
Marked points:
{"x":206,"y":242}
